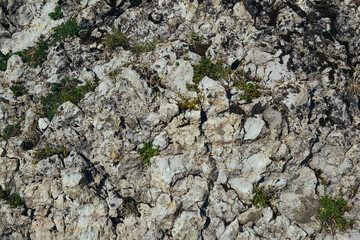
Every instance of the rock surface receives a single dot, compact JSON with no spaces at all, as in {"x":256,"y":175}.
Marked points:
{"x":81,"y":173}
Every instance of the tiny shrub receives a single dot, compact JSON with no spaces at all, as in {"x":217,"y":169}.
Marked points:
{"x":251,"y":90}
{"x":37,"y":54}
{"x":57,"y":14}
{"x":146,"y":47}
{"x":13,"y":200}
{"x":207,"y":68}
{"x":194,"y":104}
{"x":47,"y":151}
{"x":62,"y":92}
{"x":129,"y":205}
{"x":67,"y":29}
{"x":11,"y":130}
{"x":331,"y":214}
{"x":115,"y":39}
{"x":192,"y":87}
{"x":263,"y":196}
{"x":18,"y":90}
{"x":3,"y":61}
{"x":148,"y":152}
{"x":251,"y":86}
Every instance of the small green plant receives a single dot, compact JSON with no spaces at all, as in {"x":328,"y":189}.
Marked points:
{"x":147,"y":152}
{"x":207,"y":68}
{"x":57,"y":14}
{"x":331,"y":214}
{"x":3,"y":61}
{"x":192,"y":87}
{"x":47,"y":151}
{"x":11,"y":130}
{"x":13,"y":200}
{"x":194,"y":104}
{"x":250,"y":86}
{"x":177,"y":64}
{"x":251,"y":90}
{"x":146,"y":47}
{"x":18,"y":90}
{"x":263,"y":196}
{"x":37,"y":54}
{"x":197,"y":45}
{"x":114,"y":39}
{"x":65,"y":30}
{"x":62,"y":92}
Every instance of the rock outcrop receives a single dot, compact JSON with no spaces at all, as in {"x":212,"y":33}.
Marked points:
{"x":239,"y":100}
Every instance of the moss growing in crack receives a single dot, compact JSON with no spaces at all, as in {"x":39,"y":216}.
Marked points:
{"x":66,"y":90}
{"x":147,"y":152}
{"x":13,"y":199}
{"x":331,"y":214}
{"x":192,"y":87}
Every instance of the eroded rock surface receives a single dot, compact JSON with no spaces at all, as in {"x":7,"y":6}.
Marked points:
{"x":212,"y":145}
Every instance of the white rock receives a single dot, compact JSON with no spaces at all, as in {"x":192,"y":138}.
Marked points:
{"x":254,"y":166}
{"x":161,"y":140}
{"x":168,"y":111}
{"x":296,"y":99}
{"x":242,"y":187}
{"x":273,"y":117}
{"x":215,"y":96}
{"x":15,"y":69}
{"x":240,"y":11}
{"x":40,"y":25}
{"x":253,"y":214}
{"x":179,"y":76}
{"x":43,"y":123}
{"x":72,"y":178}
{"x":253,"y":127}
{"x":187,"y":226}
{"x":113,"y":201}
{"x":231,"y":231}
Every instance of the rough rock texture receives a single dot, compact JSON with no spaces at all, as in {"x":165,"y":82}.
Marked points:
{"x":301,"y":133}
